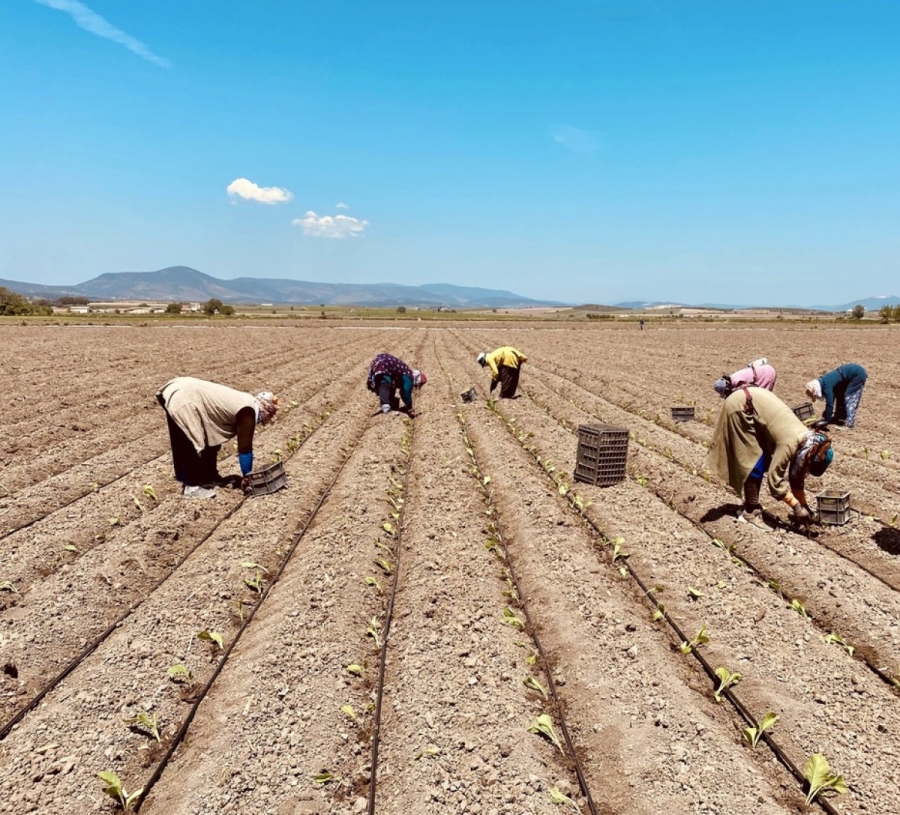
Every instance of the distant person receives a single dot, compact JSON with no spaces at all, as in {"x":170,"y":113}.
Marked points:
{"x":201,"y":417}
{"x":387,"y":375}
{"x":757,"y":374}
{"x":755,"y":422}
{"x":842,"y":391}
{"x":505,"y":364}
{"x":642,"y":325}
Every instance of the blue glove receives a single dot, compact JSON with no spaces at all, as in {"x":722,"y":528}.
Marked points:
{"x":246,"y":462}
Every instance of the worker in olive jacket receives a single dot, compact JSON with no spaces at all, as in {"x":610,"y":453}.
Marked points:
{"x":201,"y":417}
{"x":505,"y":364}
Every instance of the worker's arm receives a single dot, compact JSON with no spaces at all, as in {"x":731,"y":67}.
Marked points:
{"x":246,"y":425}
{"x":492,"y":364}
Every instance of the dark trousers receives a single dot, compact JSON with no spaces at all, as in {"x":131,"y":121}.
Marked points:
{"x":387,"y":393}
{"x":509,"y":381}
{"x":192,"y":469}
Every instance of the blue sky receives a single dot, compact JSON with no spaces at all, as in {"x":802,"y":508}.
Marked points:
{"x":581,"y":151}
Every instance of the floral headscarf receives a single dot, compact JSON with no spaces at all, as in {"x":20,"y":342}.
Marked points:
{"x":814,"y":449}
{"x":266,"y":407}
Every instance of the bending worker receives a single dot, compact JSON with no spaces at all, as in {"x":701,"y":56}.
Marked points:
{"x":505,"y":364}
{"x":758,"y":373}
{"x":755,"y":422}
{"x":842,"y":390}
{"x":387,"y":375}
{"x":204,"y":415}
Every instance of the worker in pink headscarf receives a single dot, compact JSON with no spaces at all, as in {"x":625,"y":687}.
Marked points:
{"x":758,"y":374}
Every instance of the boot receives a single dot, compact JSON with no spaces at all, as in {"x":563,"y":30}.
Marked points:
{"x":752,"y":513}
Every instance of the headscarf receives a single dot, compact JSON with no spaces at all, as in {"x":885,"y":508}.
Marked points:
{"x":482,"y":359}
{"x":419,"y":379}
{"x":814,"y":455}
{"x":266,"y":407}
{"x":722,"y":386}
{"x":814,"y":389}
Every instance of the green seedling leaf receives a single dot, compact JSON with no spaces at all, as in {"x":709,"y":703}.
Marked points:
{"x":254,"y":583}
{"x":617,"y":550}
{"x":726,"y":680}
{"x":543,"y":725}
{"x":71,"y":547}
{"x":837,"y":639}
{"x":486,"y":480}
{"x":147,"y":721}
{"x":694,"y":594}
{"x":558,"y":798}
{"x":6,"y":585}
{"x":212,"y":636}
{"x":641,"y":480}
{"x":373,"y":632}
{"x":820,"y":778}
{"x":116,"y":791}
{"x":385,"y":565}
{"x":510,"y":618}
{"x":138,"y":504}
{"x":349,"y":712}
{"x":702,"y":638}
{"x":113,"y":521}
{"x":178,"y":673}
{"x":148,"y":491}
{"x":752,"y":734}
{"x":563,"y":488}
{"x":371,"y":581}
{"x":493,"y":546}
{"x":249,"y":564}
{"x":326,"y":777}
{"x":798,"y":606}
{"x":388,"y":527}
{"x":531,"y":682}
{"x":660,"y":613}
{"x":885,"y":454}
{"x":431,"y":750}
{"x":356,"y":670}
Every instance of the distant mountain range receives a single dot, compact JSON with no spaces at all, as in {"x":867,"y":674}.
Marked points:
{"x":869,"y":303}
{"x":183,"y":284}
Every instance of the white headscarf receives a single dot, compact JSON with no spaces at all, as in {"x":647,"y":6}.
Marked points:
{"x":814,"y":389}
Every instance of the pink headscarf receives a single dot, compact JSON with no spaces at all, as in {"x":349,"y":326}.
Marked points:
{"x":266,"y":407}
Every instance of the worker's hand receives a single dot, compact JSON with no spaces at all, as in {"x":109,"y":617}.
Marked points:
{"x":245,"y":485}
{"x":821,"y":424}
{"x":411,"y":413}
{"x":800,"y":515}
{"x":493,"y":384}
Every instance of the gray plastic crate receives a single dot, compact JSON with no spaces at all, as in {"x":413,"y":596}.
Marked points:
{"x":269,"y":480}
{"x":834,"y":507}
{"x":804,"y":411}
{"x":683,"y":414}
{"x":602,"y":453}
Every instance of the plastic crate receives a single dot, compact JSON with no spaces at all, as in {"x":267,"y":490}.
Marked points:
{"x":834,"y":507}
{"x":470,"y":395}
{"x":804,"y":411}
{"x":602,"y":453}
{"x":271,"y":479}
{"x":683,"y":414}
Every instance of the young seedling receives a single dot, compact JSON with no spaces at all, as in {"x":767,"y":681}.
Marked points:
{"x":116,"y":791}
{"x":113,"y":521}
{"x":385,"y":565}
{"x":694,"y":594}
{"x":147,"y":721}
{"x":820,"y":778}
{"x":510,"y":618}
{"x":254,"y":583}
{"x":543,"y":725}
{"x":388,"y":527}
{"x":212,"y":636}
{"x":6,"y":585}
{"x":431,"y":750}
{"x":798,"y":606}
{"x":356,"y":670}
{"x":641,"y":480}
{"x":532,"y":654}
{"x":249,"y":564}
{"x":178,"y":673}
{"x":752,"y":734}
{"x":493,"y":546}
{"x":837,"y":639}
{"x":617,"y":550}
{"x":326,"y":777}
{"x":559,"y":798}
{"x":371,"y":581}
{"x":350,"y":713}
{"x":702,"y":638}
{"x":726,"y":680}
{"x":531,"y":682}
{"x":885,"y":454}
{"x":71,"y":547}
{"x":373,"y":632}
{"x":149,"y":492}
{"x":660,"y":613}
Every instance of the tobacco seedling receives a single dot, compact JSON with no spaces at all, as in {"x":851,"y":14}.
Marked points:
{"x":885,"y":454}
{"x":510,"y":618}
{"x":389,"y":528}
{"x":6,"y":585}
{"x":837,"y":639}
{"x":752,"y":734}
{"x":326,"y":777}
{"x":531,"y":682}
{"x":694,"y":594}
{"x":148,"y":722}
{"x":385,"y":565}
{"x":254,"y":583}
{"x":371,"y":581}
{"x":249,"y":564}
{"x":71,"y":547}
{"x":373,"y":632}
{"x":138,"y":504}
{"x":349,"y":712}
{"x":641,"y":480}
{"x":116,"y":791}
{"x":212,"y":636}
{"x":820,"y":778}
{"x":543,"y":725}
{"x":178,"y":673}
{"x":660,"y":613}
{"x":431,"y":750}
{"x":798,"y":606}
{"x":356,"y":670}
{"x":559,"y":798}
{"x":532,"y":654}
{"x":702,"y":638}
{"x":148,"y":491}
{"x":726,"y":680}
{"x":617,"y":550}
{"x":113,"y":521}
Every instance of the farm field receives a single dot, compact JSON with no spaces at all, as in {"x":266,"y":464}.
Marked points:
{"x":451,"y":561}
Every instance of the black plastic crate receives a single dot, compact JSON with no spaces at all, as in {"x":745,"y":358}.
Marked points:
{"x":683,"y":414}
{"x":602,"y":453}
{"x":804,"y":411}
{"x":834,"y":507}
{"x":271,"y":479}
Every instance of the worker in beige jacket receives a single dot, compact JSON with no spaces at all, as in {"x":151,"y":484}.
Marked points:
{"x":201,"y":417}
{"x":755,"y":422}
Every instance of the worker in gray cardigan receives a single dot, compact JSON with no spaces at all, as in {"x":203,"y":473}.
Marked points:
{"x":201,"y":417}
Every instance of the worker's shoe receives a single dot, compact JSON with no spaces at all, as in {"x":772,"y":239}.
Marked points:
{"x":198,"y":492}
{"x":754,"y":517}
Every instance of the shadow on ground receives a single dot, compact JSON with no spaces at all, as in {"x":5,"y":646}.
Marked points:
{"x":888,"y":540}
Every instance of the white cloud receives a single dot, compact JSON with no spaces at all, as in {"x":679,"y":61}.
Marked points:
{"x":341,"y":206}
{"x":249,"y":191}
{"x":327,"y":226}
{"x":573,"y":138}
{"x":93,"y":22}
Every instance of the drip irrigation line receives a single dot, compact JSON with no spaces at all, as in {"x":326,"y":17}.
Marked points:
{"x":297,"y":537}
{"x":760,"y":573}
{"x":532,"y":631}
{"x":728,"y":693}
{"x":98,"y":641}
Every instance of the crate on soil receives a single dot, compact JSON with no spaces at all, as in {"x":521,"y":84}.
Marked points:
{"x":683,"y":414}
{"x":271,"y":479}
{"x":804,"y":411}
{"x":834,"y":507}
{"x":602,"y":452}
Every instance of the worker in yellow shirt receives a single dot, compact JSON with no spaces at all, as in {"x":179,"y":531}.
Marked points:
{"x":505,"y":364}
